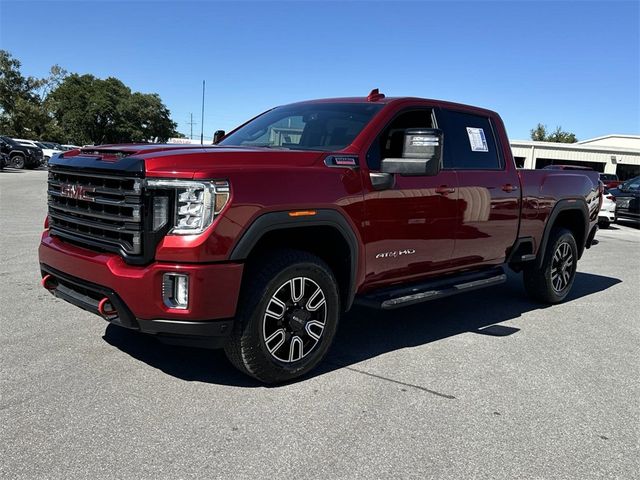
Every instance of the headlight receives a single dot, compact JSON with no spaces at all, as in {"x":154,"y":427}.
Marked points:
{"x":196,"y":204}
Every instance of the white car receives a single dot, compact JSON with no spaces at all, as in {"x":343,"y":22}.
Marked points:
{"x":607,"y":213}
{"x":47,"y":153}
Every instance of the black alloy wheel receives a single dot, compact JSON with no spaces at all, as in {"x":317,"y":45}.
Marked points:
{"x":287,"y":316}
{"x":294,"y":320}
{"x":17,"y":161}
{"x":551,"y":282}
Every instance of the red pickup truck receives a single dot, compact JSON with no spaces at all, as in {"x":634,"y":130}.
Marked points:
{"x":257,"y":244}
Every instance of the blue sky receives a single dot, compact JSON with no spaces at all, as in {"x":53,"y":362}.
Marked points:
{"x":574,"y":64}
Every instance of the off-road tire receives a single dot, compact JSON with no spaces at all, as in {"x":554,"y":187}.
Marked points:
{"x":542,"y":283}
{"x":247,"y":347}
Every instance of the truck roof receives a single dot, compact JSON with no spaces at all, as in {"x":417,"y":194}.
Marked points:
{"x":376,"y":97}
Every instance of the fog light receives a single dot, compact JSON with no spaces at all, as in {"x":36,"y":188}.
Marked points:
{"x":175,"y":290}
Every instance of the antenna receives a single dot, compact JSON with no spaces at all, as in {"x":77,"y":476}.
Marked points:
{"x":191,"y":124}
{"x":202,"y":123}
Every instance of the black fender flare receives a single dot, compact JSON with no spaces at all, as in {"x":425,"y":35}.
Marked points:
{"x":560,"y":207}
{"x":13,"y":153}
{"x":271,"y":221}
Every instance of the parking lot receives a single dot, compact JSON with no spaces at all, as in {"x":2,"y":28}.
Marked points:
{"x":487,"y":385}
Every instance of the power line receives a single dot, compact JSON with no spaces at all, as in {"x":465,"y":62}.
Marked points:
{"x":191,"y":124}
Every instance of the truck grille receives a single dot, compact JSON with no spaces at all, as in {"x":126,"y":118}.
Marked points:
{"x":96,"y":210}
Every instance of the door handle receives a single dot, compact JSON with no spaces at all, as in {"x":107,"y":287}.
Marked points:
{"x":509,"y":188}
{"x":445,"y":190}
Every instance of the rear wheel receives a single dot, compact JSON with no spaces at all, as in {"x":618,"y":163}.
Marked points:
{"x":287,"y":318}
{"x":552,"y":281}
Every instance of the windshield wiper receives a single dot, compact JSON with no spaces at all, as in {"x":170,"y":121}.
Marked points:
{"x":275,"y":147}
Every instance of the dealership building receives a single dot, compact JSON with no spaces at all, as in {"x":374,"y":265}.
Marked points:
{"x":619,"y":154}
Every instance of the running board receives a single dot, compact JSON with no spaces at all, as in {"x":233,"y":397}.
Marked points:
{"x":388,"y":299}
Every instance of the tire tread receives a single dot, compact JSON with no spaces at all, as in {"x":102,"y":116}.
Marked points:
{"x":536,"y":282}
{"x":241,"y":351}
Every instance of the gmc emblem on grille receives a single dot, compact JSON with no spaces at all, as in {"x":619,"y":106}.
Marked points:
{"x":77,"y":192}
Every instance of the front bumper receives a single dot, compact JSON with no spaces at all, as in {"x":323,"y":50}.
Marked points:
{"x":33,"y":160}
{"x":84,"y":278}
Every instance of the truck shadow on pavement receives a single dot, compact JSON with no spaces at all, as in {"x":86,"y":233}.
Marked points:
{"x":366,"y":333}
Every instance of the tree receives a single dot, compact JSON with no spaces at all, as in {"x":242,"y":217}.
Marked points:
{"x":92,"y":110}
{"x":558,"y":136}
{"x":78,"y":109}
{"x":148,"y":118}
{"x":20,"y":109}
{"x":539,"y":134}
{"x":56,"y":75}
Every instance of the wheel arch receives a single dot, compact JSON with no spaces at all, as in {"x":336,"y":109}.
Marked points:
{"x":326,"y":234}
{"x":571,"y":214}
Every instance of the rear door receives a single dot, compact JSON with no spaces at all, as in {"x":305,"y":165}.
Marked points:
{"x":487,"y":188}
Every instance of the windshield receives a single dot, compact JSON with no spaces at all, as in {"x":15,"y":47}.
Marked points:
{"x":10,"y":141}
{"x":312,"y":126}
{"x":632,"y":185}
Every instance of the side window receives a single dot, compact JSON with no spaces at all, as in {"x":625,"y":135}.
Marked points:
{"x":469,"y":143}
{"x":390,"y":142}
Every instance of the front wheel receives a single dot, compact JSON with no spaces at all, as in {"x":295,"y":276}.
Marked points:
{"x":287,"y":318}
{"x":17,"y":161}
{"x":552,"y":281}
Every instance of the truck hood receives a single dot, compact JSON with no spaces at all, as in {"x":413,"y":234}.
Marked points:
{"x":183,"y":161}
{"x":214,"y":162}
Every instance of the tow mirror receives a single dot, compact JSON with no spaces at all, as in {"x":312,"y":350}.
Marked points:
{"x":217,"y":136}
{"x":421,"y":154}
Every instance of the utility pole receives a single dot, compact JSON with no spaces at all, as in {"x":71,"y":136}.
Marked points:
{"x":191,"y":124}
{"x":202,"y":122}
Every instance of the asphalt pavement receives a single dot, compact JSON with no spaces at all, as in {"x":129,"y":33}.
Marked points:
{"x":486,"y":385}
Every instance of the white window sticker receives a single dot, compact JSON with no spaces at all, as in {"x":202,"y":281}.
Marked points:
{"x":477,"y":139}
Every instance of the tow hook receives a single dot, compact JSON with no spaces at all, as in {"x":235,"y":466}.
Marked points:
{"x":106,"y":309}
{"x":49,"y":282}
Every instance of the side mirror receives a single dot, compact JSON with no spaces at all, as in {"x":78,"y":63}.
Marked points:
{"x":217,"y":136}
{"x":421,"y":154}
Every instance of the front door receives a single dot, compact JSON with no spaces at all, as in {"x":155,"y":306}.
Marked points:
{"x":410,"y":225}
